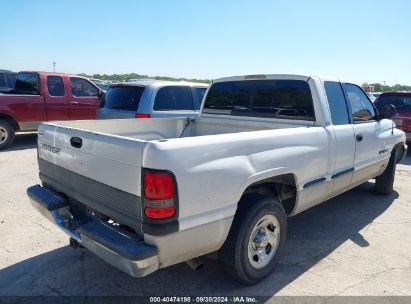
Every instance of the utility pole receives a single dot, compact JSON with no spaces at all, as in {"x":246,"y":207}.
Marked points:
{"x":54,"y":66}
{"x":384,"y":81}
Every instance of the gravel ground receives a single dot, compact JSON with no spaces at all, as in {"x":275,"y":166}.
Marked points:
{"x":358,"y":243}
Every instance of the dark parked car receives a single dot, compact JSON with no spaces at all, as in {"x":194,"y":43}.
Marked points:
{"x":402,"y":102}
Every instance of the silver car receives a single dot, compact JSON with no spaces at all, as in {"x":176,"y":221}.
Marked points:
{"x":152,"y":98}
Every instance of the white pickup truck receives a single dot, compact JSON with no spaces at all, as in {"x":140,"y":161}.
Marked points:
{"x":148,"y":193}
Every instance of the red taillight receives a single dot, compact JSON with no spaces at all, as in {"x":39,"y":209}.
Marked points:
{"x":159,"y":213}
{"x":406,"y":125}
{"x":403,"y":124}
{"x":158,"y":186}
{"x":159,"y":195}
{"x":142,"y":115}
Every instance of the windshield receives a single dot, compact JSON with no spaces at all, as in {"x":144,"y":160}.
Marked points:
{"x":398,"y":101}
{"x":101,"y":85}
{"x":122,"y":98}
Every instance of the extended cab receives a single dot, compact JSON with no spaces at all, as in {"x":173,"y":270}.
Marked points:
{"x":148,"y":193}
{"x":44,"y":96}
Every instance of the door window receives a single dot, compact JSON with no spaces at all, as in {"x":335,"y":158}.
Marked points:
{"x":82,"y":88}
{"x":174,"y":98}
{"x":362,"y":109}
{"x":337,"y":103}
{"x":55,"y":85}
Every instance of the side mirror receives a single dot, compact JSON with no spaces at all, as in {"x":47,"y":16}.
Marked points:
{"x":387,"y":111}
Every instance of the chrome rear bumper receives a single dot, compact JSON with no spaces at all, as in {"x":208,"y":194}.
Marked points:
{"x":121,"y":250}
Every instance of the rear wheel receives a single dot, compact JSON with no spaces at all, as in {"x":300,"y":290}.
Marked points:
{"x":384,"y":183}
{"x":6,"y":134}
{"x":256,"y":239}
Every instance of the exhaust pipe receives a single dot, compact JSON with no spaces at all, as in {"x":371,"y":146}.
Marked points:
{"x":211,"y":256}
{"x":195,"y":264}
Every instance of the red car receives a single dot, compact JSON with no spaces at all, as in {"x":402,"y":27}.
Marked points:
{"x":44,"y":96}
{"x":402,"y":102}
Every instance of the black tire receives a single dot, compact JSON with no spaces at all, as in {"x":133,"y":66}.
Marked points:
{"x":233,"y":255}
{"x":384,"y":183}
{"x":7,"y":134}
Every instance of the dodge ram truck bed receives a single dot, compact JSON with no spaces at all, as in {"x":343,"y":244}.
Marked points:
{"x":145,"y":194}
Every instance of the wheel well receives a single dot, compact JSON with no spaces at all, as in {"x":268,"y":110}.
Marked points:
{"x":400,"y":151}
{"x":283,"y":187}
{"x":11,"y":120}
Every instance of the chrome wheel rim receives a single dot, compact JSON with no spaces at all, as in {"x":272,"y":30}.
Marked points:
{"x":3,"y":134}
{"x":263,"y":241}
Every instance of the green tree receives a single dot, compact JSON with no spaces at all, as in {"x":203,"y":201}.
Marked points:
{"x":378,"y":87}
{"x":124,"y":77}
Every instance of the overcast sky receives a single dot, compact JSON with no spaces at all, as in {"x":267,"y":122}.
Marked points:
{"x":361,"y":41}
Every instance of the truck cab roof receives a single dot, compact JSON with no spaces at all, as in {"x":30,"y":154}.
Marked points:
{"x":304,"y":77}
{"x":53,"y":74}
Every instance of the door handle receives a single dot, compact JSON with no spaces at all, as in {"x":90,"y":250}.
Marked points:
{"x":74,"y":103}
{"x":359,"y":137}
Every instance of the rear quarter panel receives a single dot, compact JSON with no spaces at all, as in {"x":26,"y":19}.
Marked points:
{"x":212,"y":172}
{"x":23,"y":108}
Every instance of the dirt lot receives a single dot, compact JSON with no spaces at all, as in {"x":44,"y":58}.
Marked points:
{"x":356,"y":244}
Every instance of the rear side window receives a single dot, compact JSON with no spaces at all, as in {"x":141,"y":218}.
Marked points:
{"x":55,"y":85}
{"x":362,"y":109}
{"x":400,"y":102}
{"x":198,"y":97}
{"x":174,"y":98}
{"x":122,"y":98}
{"x":3,"y":83}
{"x":82,"y":88}
{"x":287,"y":99}
{"x":336,"y":101}
{"x":27,"y":83}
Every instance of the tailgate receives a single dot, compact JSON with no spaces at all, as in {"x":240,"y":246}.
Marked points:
{"x":101,"y":171}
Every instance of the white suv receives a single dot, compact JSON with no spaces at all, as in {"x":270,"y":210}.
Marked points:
{"x":152,"y":98}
